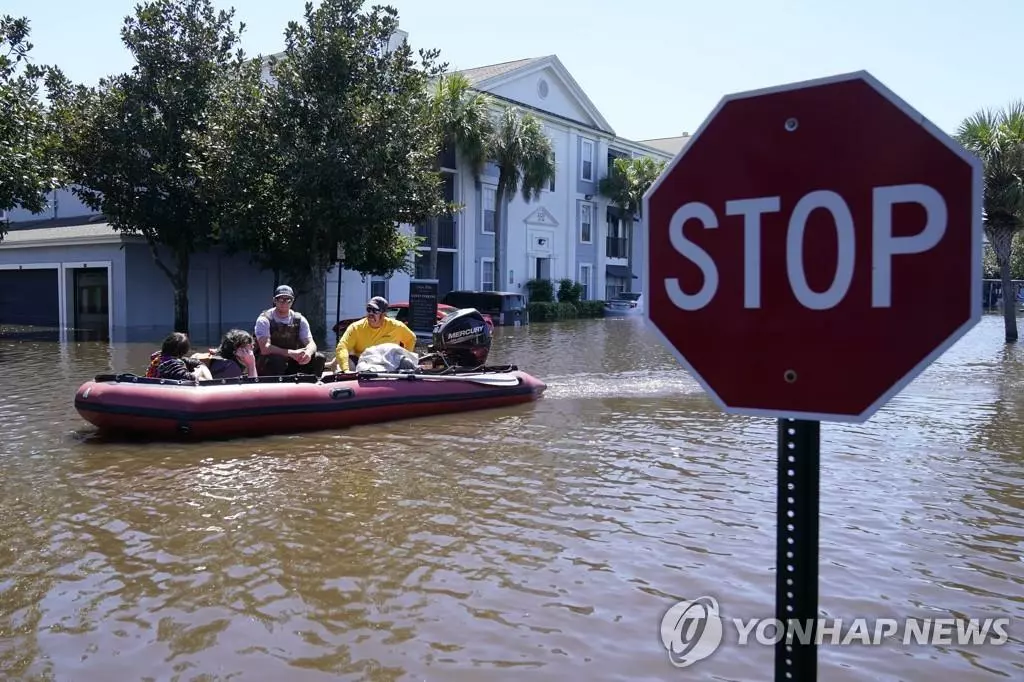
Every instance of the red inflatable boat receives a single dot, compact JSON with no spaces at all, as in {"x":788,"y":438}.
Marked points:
{"x":127,"y":404}
{"x":460,"y":381}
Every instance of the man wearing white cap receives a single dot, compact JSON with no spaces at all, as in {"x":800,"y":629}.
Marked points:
{"x":285,"y":343}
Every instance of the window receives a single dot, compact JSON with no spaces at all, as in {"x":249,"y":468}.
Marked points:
{"x":613,"y":287}
{"x":587,"y":160}
{"x":489,"y":197}
{"x":585,"y":274}
{"x":378,"y":287}
{"x":554,"y":162}
{"x":487,"y":274}
{"x":586,"y":223}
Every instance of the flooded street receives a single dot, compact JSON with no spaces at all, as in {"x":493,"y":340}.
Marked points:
{"x":542,"y":542}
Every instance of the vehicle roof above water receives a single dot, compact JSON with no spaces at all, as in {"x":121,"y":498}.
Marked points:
{"x":484,"y":300}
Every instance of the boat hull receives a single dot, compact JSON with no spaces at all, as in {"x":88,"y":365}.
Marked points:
{"x":160,"y":409}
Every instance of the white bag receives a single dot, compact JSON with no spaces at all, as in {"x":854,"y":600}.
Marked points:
{"x":386,"y":357}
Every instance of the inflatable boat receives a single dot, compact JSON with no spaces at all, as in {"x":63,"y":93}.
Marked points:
{"x":125,"y":404}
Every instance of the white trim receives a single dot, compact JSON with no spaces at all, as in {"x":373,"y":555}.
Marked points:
{"x":494,"y":275}
{"x":62,"y":302}
{"x":589,"y":283}
{"x":556,"y":65}
{"x":484,"y":187}
{"x":977,"y":235}
{"x":77,"y":265}
{"x":71,"y":241}
{"x":583,"y":157}
{"x":580,"y":205}
{"x":30,"y":266}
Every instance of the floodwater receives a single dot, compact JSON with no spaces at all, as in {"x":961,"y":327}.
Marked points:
{"x":542,"y":542}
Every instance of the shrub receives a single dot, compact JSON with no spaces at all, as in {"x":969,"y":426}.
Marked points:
{"x":540,"y":291}
{"x":569,"y":291}
{"x":590,"y":309}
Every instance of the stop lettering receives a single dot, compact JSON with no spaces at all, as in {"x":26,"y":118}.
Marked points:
{"x":813,"y":248}
{"x":884,"y":244}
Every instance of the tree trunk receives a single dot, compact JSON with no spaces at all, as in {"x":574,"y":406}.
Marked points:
{"x":630,"y":234}
{"x":435,"y":231}
{"x":313,"y":304}
{"x":179,"y":281}
{"x":1002,"y":243}
{"x":499,"y":211}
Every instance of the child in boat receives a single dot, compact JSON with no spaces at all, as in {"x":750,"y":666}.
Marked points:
{"x":234,"y":358}
{"x":170,"y":362}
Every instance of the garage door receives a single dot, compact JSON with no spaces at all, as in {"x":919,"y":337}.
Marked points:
{"x":29,"y":297}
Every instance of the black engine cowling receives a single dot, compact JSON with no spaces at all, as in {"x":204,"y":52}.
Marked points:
{"x":462,"y":338}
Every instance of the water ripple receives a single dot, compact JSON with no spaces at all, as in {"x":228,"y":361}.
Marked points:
{"x":545,"y":540}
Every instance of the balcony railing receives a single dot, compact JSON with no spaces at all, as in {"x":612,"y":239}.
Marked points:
{"x":616,"y":247}
{"x":446,"y":234}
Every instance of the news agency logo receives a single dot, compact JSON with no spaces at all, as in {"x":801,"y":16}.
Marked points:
{"x":693,"y":630}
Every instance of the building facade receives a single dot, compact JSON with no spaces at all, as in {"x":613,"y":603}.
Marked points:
{"x":67,"y":269}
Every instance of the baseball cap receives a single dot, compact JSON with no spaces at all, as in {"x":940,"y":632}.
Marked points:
{"x":284,"y":290}
{"x":378,"y":303}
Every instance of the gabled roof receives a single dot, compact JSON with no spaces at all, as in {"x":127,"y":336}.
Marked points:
{"x":669,"y":145}
{"x":487,"y":78}
{"x":485,"y":73}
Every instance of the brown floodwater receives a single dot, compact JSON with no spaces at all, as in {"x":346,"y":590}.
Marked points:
{"x":542,"y":542}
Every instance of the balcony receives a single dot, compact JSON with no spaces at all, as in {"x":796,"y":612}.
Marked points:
{"x":616,"y":247}
{"x":446,"y":234}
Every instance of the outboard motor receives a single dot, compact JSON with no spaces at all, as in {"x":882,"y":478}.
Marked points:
{"x":462,"y":338}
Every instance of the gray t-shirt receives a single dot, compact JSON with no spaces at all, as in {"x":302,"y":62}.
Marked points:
{"x":263,"y":325}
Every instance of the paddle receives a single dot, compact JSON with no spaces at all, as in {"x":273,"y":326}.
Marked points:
{"x":485,"y":379}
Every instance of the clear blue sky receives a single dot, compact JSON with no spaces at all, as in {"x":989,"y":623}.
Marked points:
{"x":654,"y":68}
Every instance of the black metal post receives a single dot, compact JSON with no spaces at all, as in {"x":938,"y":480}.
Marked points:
{"x":796,"y":550}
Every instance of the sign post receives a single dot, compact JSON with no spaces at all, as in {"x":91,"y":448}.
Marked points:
{"x":422,"y":306}
{"x":812,"y":249}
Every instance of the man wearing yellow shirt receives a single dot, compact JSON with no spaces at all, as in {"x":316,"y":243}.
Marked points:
{"x":374,"y":329}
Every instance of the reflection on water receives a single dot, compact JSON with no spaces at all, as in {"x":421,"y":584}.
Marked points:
{"x":544,"y":541}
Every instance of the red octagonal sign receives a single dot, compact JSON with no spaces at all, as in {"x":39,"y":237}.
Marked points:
{"x":813,"y":248}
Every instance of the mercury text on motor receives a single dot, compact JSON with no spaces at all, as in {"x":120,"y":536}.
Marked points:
{"x":884,"y":244}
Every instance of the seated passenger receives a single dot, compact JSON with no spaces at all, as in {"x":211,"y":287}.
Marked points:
{"x":234,"y":358}
{"x":374,"y":329}
{"x":170,"y":362}
{"x":285,"y":343}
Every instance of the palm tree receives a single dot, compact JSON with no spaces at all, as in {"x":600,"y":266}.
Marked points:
{"x":526,"y":163}
{"x":463,"y":120}
{"x":625,"y":185}
{"x":997,"y":137}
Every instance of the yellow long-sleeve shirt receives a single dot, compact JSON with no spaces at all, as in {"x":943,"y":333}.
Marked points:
{"x":360,"y":335}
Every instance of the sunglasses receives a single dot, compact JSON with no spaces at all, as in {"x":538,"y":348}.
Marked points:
{"x":284,"y":298}
{"x":373,"y":311}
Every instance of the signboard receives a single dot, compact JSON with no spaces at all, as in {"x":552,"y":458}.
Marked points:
{"x":812,"y":248}
{"x":422,"y":306}
{"x":795,"y":239}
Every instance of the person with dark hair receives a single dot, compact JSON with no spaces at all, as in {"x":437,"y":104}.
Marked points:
{"x":170,"y":361}
{"x":374,"y":329}
{"x":284,"y":341}
{"x":233,"y":358}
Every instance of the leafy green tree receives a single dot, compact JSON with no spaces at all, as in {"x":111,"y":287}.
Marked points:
{"x":997,"y":137}
{"x":29,"y":164}
{"x":141,"y":145}
{"x":628,"y":180}
{"x":464,"y":123}
{"x":625,"y":185}
{"x":343,"y":149}
{"x":526,"y":162}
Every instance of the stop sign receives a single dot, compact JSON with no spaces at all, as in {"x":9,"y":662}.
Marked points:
{"x":813,"y":248}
